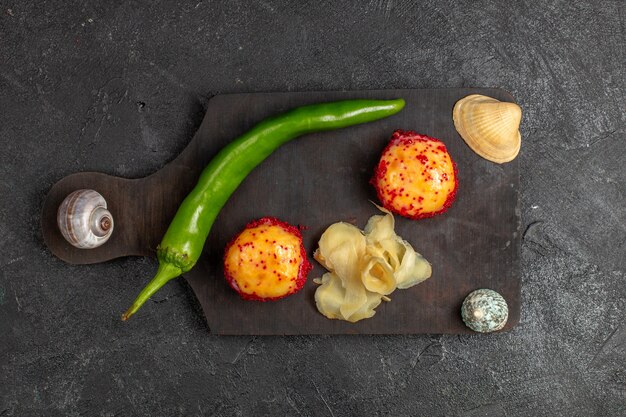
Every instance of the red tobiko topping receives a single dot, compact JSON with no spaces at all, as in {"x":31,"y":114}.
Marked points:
{"x":303,"y":269}
{"x":388,"y":195}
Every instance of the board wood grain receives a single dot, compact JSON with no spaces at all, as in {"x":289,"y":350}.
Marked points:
{"x":315,"y":181}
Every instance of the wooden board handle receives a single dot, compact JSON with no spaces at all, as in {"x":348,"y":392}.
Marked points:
{"x":141,"y":209}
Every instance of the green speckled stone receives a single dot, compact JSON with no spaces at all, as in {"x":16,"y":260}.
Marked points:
{"x":484,"y":311}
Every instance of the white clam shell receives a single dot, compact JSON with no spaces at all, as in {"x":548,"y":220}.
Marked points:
{"x":84,"y":220}
{"x":489,"y":127}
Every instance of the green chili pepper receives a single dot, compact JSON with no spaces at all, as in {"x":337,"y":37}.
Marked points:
{"x":182,"y":244}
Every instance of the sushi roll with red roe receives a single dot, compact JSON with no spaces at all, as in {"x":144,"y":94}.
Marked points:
{"x":416,"y":176}
{"x":266,"y":261}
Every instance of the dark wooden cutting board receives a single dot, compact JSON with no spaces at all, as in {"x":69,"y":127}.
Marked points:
{"x":315,"y":181}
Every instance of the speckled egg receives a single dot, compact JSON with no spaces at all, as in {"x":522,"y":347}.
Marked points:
{"x":484,"y":311}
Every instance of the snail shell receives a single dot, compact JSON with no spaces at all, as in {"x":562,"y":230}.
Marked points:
{"x":484,"y":311}
{"x":84,"y":220}
{"x":489,"y":127}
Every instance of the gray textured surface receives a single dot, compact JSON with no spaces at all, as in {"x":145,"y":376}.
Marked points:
{"x":120,"y":88}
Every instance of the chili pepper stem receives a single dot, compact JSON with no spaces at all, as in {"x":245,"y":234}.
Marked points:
{"x":165,"y":273}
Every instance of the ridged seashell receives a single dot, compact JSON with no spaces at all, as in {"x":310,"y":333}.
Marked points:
{"x":84,"y":220}
{"x":489,"y":127}
{"x":484,"y":311}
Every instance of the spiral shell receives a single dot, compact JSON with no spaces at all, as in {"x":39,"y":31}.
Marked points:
{"x":84,"y":220}
{"x":489,"y":127}
{"x":484,"y":311}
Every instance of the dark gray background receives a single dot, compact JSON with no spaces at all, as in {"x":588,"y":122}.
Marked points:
{"x":120,"y":87}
